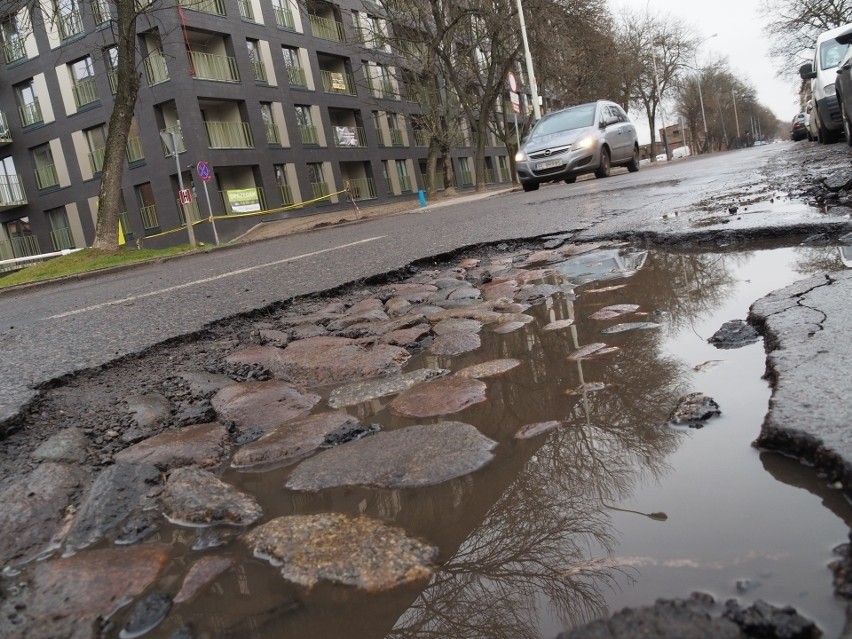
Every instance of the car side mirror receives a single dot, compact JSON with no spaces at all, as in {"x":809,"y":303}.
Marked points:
{"x":806,"y":71}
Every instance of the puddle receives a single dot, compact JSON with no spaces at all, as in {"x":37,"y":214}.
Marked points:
{"x":606,"y":510}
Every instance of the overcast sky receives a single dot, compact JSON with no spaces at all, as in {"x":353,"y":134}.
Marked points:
{"x":740,"y":38}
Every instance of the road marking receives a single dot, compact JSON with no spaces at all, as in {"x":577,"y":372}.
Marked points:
{"x":248,"y":269}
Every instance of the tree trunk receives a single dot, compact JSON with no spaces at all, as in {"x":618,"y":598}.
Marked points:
{"x":449,"y":181}
{"x":127,"y":88}
{"x":431,"y":166}
{"x":479,"y":158}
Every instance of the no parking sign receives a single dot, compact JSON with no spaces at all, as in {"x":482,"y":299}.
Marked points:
{"x":203,"y":170}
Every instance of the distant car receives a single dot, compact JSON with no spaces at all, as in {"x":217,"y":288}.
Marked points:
{"x":798,"y":130}
{"x":843,"y":86}
{"x":760,"y":143}
{"x":587,"y":138}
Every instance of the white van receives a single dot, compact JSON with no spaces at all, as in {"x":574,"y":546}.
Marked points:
{"x":828,"y":53}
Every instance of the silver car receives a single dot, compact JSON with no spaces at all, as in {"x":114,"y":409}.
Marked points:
{"x":588,"y":138}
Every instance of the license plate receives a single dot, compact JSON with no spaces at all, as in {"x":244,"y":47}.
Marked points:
{"x":549,"y":164}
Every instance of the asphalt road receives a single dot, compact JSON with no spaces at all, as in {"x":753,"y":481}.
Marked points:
{"x":46,"y":332}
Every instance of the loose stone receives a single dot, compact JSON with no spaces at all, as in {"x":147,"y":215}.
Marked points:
{"x":201,"y":574}
{"x":262,"y":406}
{"x":451,"y":344}
{"x":694,"y":410}
{"x":367,"y":390}
{"x":489,"y":369}
{"x":734,"y":334}
{"x":202,"y":445}
{"x":196,"y":497}
{"x":68,"y":445}
{"x":149,"y":410}
{"x":442,"y":396}
{"x":146,"y":615}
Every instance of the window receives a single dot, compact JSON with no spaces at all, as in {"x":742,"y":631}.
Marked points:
{"x":101,"y":11}
{"x":111,"y":62}
{"x":60,"y":230}
{"x":12,"y":32}
{"x":83,"y":76}
{"x":402,"y":174}
{"x":11,"y":189}
{"x":283,"y":183}
{"x":28,"y":106}
{"x":272,"y":134}
{"x":256,"y":63}
{"x":45,"y":169}
{"x":67,"y":16}
{"x":306,"y":125}
{"x":283,"y":14}
{"x":464,"y":172}
{"x":395,"y":131}
{"x":319,"y":186}
{"x":96,"y":139}
{"x":295,"y":72}
{"x":147,"y":206}
{"x":21,"y":238}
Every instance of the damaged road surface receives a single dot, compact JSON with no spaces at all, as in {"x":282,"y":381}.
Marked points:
{"x":515,"y":440}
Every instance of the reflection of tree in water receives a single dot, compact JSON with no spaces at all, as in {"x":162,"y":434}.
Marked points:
{"x":816,"y":261}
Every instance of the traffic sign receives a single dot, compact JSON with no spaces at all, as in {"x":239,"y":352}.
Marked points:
{"x":186,"y":196}
{"x":516,"y":103}
{"x":203,"y":170}
{"x":513,"y":86}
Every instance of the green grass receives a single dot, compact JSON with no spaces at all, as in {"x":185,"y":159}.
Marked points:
{"x":85,"y":261}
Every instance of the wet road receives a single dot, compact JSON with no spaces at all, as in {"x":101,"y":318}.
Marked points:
{"x":49,"y":331}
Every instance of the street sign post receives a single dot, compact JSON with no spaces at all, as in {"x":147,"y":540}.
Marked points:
{"x":516,"y":104}
{"x":172,"y":139}
{"x":204,"y":172}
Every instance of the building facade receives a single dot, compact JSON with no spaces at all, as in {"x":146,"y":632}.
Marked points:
{"x":294,"y":108}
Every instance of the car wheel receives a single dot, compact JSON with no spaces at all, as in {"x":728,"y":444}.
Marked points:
{"x":571,"y":179}
{"x":604,"y":167}
{"x":847,"y":125}
{"x":530,"y":186}
{"x":826,"y":136}
{"x":633,"y":165}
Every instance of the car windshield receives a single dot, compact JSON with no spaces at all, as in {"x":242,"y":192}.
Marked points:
{"x":573,"y":118}
{"x":831,"y":53}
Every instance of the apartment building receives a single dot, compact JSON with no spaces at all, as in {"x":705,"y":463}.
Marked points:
{"x":288,"y":104}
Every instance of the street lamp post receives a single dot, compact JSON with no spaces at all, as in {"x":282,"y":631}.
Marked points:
{"x":528,"y":58}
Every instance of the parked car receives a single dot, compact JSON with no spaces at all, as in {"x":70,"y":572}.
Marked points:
{"x":798,"y":130}
{"x":828,"y":122}
{"x":587,"y":138}
{"x":680,"y":152}
{"x":843,"y":85}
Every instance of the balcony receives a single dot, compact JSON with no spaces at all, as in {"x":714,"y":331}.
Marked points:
{"x":349,"y":137}
{"x":383,"y":88}
{"x":404,"y":183}
{"x":308,"y":133}
{"x":465,"y":178}
{"x":490,"y":176}
{"x":46,"y":176}
{"x":286,"y":194}
{"x":421,"y":137}
{"x":396,"y":137}
{"x":85,"y":92}
{"x":246,"y":11}
{"x":219,"y":68}
{"x":20,"y":246}
{"x":96,"y":159}
{"x":149,"y":217}
{"x":215,"y":7}
{"x":31,"y":113}
{"x":272,"y":134}
{"x":296,"y":77}
{"x":5,"y":133}
{"x":173,"y":129}
{"x":338,"y":82}
{"x":284,"y":18}
{"x":156,"y":70}
{"x":229,"y":135}
{"x":319,"y":190}
{"x":14,"y":50}
{"x":11,"y":191}
{"x":361,"y":188}
{"x":134,"y":151}
{"x":259,"y":71}
{"x":69,"y":24}
{"x":62,"y":239}
{"x":326,"y":29}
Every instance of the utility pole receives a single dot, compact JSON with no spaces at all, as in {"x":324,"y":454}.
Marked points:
{"x":662,"y":111}
{"x":172,"y":139}
{"x":528,"y":58}
{"x":736,"y":117}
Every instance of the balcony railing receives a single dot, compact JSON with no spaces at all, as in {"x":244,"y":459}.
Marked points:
{"x":229,"y":135}
{"x":249,"y":200}
{"x":14,"y":50}
{"x":349,"y":137}
{"x":69,"y":24}
{"x":62,"y":239}
{"x":380,"y":134}
{"x":5,"y":133}
{"x":20,"y":246}
{"x":112,"y":76}
{"x":149,"y":217}
{"x":208,"y":66}
{"x":383,"y":89}
{"x":296,"y":77}
{"x":12,"y":191}
{"x":259,"y":70}
{"x":337,"y":82}
{"x":101,"y":12}
{"x":308,"y":133}
{"x":465,"y":178}
{"x":126,"y":229}
{"x":181,"y":146}
{"x":156,"y":70}
{"x":319,"y":189}
{"x":216,"y":7}
{"x":134,"y":151}
{"x":362,"y":188}
{"x":284,"y":18}
{"x":490,"y":176}
{"x":46,"y":176}
{"x":96,"y":159}
{"x":272,"y":134}
{"x":404,"y":183}
{"x":504,"y":174}
{"x":85,"y":92}
{"x":421,"y":137}
{"x":246,"y":10}
{"x":412,"y":92}
{"x":396,"y":137}
{"x":326,"y":29}
{"x":286,"y":193}
{"x":31,"y":113}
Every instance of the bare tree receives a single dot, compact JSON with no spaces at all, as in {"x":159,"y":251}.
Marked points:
{"x":793,"y":27}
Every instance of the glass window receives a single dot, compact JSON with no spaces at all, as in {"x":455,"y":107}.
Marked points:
{"x":303,"y":115}
{"x":82,"y":69}
{"x":573,"y":118}
{"x":291,"y":56}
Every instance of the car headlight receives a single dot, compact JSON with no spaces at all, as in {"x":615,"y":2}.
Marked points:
{"x":520,"y":156}
{"x":829,"y":89}
{"x":585,"y":142}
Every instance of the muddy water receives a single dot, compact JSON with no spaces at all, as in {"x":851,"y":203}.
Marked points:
{"x":609,"y":509}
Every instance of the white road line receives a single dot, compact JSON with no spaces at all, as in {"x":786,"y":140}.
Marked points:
{"x":210,"y":279}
